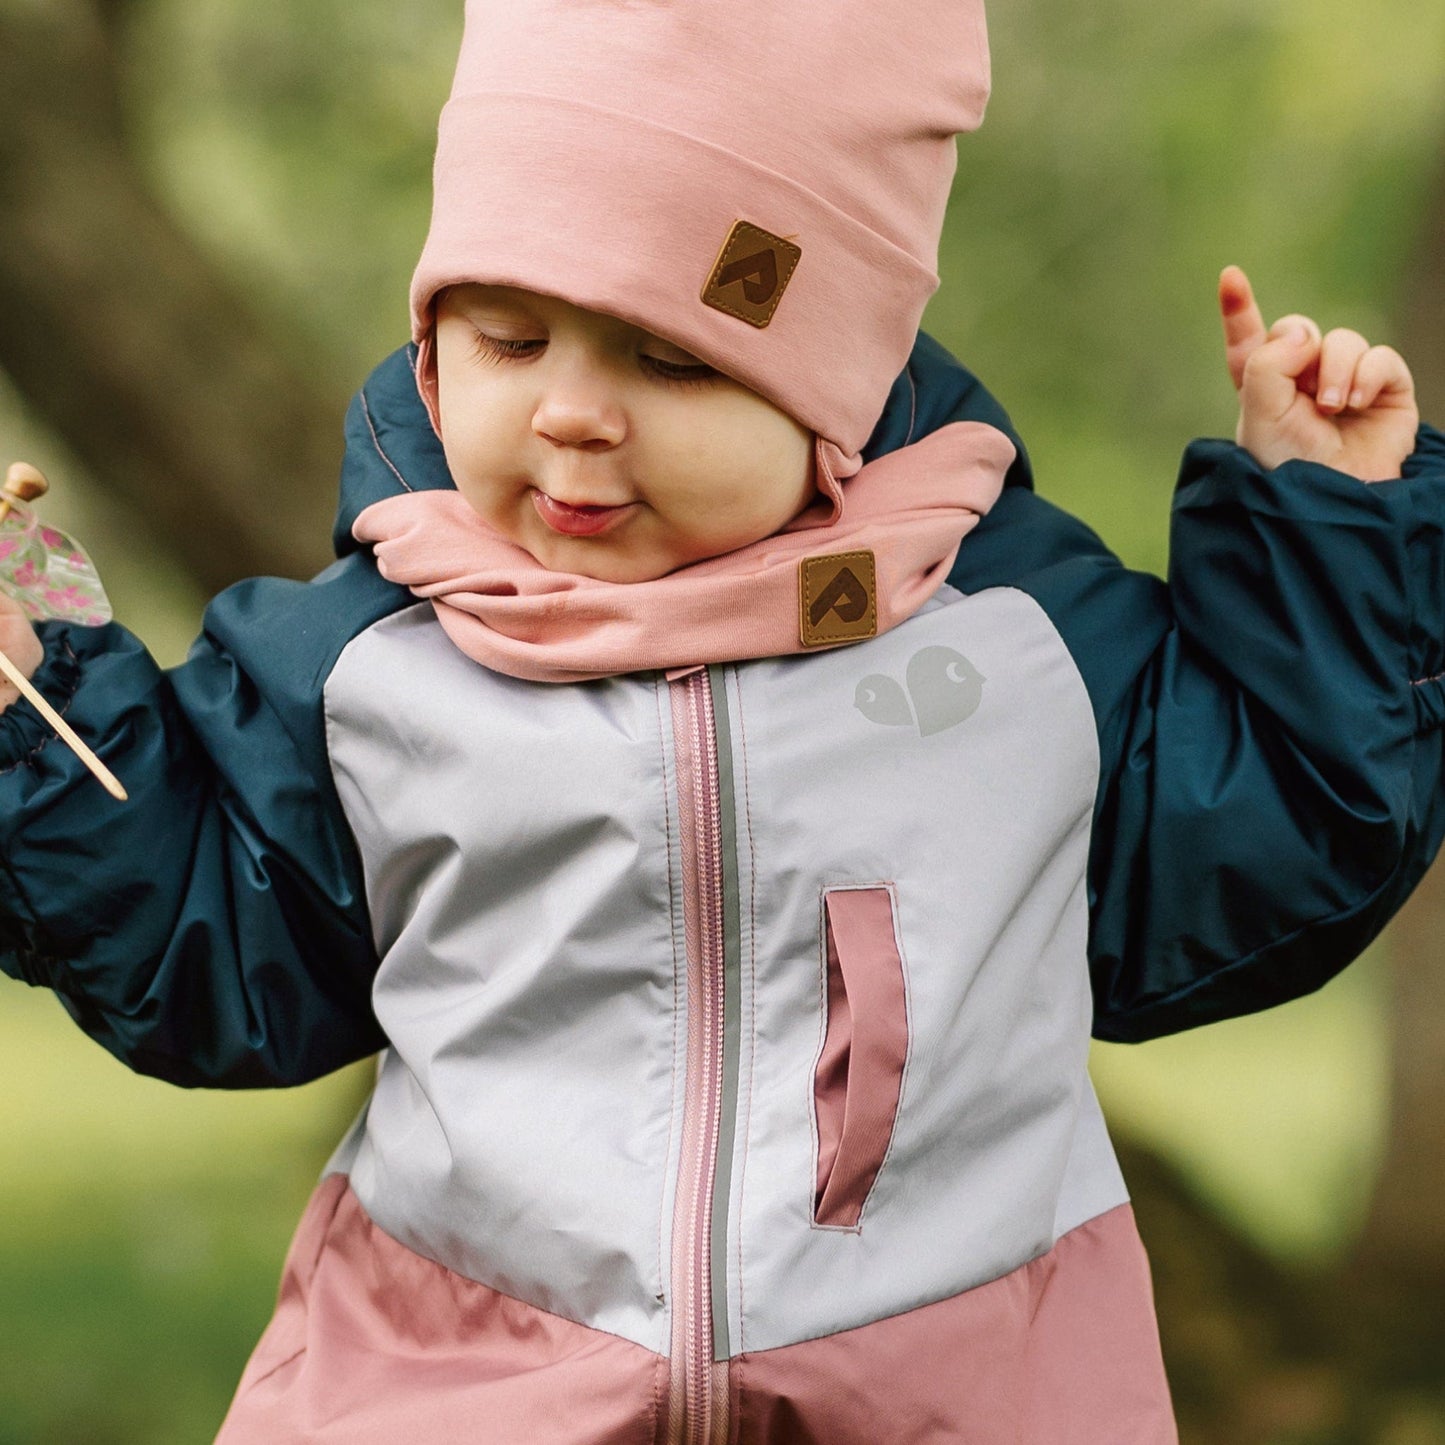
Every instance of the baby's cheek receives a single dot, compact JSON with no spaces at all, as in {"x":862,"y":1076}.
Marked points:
{"x":473,"y":458}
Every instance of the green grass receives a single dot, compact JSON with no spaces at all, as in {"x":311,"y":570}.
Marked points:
{"x":144,"y":1229}
{"x":1278,"y":1120}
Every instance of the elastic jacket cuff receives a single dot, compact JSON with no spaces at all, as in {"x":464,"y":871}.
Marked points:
{"x":23,"y":731}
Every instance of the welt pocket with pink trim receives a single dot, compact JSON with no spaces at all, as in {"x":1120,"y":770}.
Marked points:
{"x":858,"y":1080}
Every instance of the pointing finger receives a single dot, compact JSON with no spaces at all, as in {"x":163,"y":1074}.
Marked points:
{"x":1244,"y":329}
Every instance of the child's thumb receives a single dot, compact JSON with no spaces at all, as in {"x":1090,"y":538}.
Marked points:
{"x":1273,"y":370}
{"x":1296,"y":342}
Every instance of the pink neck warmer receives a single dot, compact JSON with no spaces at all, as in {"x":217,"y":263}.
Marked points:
{"x":910,"y":508}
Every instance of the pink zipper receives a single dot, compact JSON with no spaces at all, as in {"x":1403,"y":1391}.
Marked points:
{"x":698,"y":1399}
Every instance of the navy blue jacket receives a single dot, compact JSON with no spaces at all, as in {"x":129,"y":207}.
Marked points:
{"x":1269,"y":733}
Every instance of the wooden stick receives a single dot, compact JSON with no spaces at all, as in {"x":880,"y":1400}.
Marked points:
{"x":107,"y":778}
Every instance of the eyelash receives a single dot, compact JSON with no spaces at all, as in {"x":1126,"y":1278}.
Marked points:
{"x":491,"y":350}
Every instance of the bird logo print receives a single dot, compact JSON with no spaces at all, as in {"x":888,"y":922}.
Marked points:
{"x":943,"y":689}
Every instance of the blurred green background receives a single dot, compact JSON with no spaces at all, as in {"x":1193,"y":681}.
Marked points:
{"x":1282,"y":1164}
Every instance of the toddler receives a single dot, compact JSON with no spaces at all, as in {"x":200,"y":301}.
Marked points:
{"x":724,"y":793}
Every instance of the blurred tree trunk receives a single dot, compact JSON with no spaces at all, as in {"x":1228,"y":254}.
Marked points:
{"x":1258,"y":1353}
{"x":1422,"y":320}
{"x":1400,"y":1264}
{"x":121,"y":335}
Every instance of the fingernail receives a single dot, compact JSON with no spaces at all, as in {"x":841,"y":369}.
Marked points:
{"x":1357,"y":398}
{"x":1331,"y":396}
{"x":1299,"y":334}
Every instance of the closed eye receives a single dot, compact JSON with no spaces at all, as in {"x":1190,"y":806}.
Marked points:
{"x":679,"y":375}
{"x":491,"y":350}
{"x":494,"y":351}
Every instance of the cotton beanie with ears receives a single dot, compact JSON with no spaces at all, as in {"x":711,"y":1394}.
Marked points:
{"x":762,"y":182}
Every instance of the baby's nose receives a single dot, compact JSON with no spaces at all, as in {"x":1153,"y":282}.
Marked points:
{"x":580,"y":413}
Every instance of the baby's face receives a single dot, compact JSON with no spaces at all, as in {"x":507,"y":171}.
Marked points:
{"x":602,"y":449}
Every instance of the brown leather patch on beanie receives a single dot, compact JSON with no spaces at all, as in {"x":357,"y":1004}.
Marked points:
{"x":837,"y":598}
{"x":751,"y":273}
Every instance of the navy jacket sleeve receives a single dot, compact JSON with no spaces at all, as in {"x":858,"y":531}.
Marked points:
{"x":213,"y":929}
{"x":1269,"y":722}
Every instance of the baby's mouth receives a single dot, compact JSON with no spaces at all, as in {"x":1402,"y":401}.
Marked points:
{"x":577,"y":521}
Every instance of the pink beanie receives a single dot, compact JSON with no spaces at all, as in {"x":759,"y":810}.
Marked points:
{"x":761,"y":182}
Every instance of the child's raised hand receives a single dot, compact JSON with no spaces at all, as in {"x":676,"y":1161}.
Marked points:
{"x":19,"y":643}
{"x":1333,"y":399}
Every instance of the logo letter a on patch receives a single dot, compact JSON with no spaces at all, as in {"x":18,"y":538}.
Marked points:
{"x":837,"y":598}
{"x":758,"y":273}
{"x":845,"y":595}
{"x":751,"y":273}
